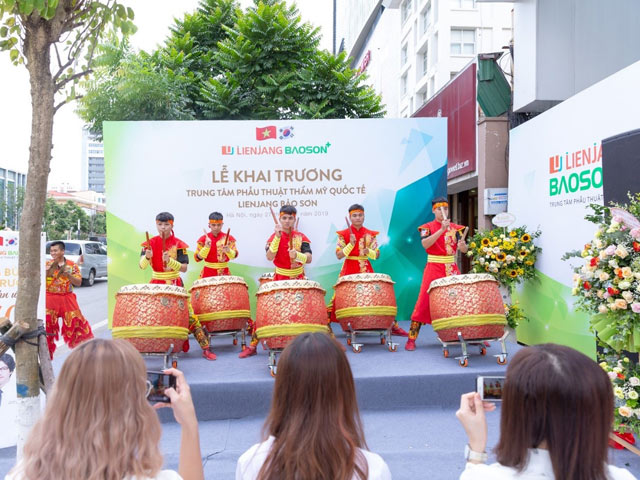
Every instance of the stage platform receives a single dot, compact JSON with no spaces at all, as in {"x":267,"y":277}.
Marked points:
{"x":234,"y":388}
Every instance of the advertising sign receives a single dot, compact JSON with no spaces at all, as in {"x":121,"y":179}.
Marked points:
{"x":394,"y":167}
{"x":457,"y":102}
{"x":555,"y":172}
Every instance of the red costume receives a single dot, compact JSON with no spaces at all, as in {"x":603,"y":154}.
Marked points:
{"x":61,"y":302}
{"x":177,"y":250}
{"x":287,"y":269}
{"x":216,"y":262}
{"x":354,"y":262}
{"x":440,"y":263}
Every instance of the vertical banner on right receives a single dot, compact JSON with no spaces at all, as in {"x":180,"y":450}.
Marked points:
{"x":555,"y":172}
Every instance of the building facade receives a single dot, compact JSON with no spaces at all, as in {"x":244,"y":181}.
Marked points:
{"x":92,"y":163}
{"x":12,"y":184}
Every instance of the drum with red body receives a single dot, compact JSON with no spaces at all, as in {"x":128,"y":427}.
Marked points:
{"x":366,"y":301}
{"x":221,"y":303}
{"x":287,"y":308}
{"x":470,"y":304}
{"x":152,"y":317}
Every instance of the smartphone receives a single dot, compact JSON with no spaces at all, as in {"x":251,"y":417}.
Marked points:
{"x":490,"y":388}
{"x":156,"y":383}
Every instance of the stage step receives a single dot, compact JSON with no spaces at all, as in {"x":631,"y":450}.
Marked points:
{"x":233,"y":388}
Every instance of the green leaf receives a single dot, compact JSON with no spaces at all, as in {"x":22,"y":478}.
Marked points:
{"x":14,"y":54}
{"x":3,"y":31}
{"x":130,"y":13}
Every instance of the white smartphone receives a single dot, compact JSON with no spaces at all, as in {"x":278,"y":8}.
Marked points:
{"x":490,"y":388}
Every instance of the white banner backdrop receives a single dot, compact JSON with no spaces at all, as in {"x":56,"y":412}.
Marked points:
{"x":555,"y":172}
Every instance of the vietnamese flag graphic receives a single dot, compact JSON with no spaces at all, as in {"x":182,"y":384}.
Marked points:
{"x":265,"y":133}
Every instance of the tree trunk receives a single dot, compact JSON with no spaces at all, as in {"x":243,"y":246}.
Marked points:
{"x":36,"y":50}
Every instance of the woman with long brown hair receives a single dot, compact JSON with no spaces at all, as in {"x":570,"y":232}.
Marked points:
{"x":98,"y":424}
{"x":313,"y":430}
{"x":557,"y":412}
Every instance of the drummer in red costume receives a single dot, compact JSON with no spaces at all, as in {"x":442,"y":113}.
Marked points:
{"x":361,"y":247}
{"x":167,"y":255}
{"x":441,"y":239}
{"x":290,"y":251}
{"x":216,"y":260}
{"x":62,"y":276}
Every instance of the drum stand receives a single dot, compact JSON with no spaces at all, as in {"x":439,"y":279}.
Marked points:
{"x":463,"y":360}
{"x":385,"y":338}
{"x":168,"y":355}
{"x":273,"y":359}
{"x":232,"y":333}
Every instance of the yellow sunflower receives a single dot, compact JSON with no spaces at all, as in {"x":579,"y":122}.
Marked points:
{"x":501,"y":256}
{"x":528,"y":262}
{"x":523,"y":253}
{"x":526,"y":238}
{"x":520,"y":271}
{"x":513,"y":273}
{"x":485,"y":242}
{"x":513,"y":233}
{"x":473,"y":245}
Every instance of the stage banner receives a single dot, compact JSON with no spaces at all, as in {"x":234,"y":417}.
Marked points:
{"x":555,"y":172}
{"x":9,"y":405}
{"x":394,"y":167}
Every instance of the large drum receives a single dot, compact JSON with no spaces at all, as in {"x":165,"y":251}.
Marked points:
{"x":152,"y":317}
{"x":287,"y":308}
{"x":469,"y":304}
{"x":365,"y":301}
{"x":221,"y":303}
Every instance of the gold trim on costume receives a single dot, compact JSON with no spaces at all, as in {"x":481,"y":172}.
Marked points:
{"x":441,"y":259}
{"x":290,"y":272}
{"x":165,"y":275}
{"x":357,"y":258}
{"x":216,"y":265}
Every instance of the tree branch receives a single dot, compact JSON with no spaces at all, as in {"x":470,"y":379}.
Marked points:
{"x":64,"y":102}
{"x":58,"y":85}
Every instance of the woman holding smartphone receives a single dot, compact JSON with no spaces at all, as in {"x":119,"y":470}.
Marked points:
{"x":557,"y":412}
{"x":98,"y":424}
{"x":313,"y":430}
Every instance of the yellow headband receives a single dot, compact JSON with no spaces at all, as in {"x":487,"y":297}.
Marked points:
{"x":357,"y":210}
{"x":214,"y":222}
{"x":439,"y":204}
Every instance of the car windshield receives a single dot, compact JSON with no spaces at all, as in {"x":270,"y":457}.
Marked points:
{"x":70,"y":248}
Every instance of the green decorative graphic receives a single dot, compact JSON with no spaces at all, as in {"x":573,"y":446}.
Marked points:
{"x":552,"y":318}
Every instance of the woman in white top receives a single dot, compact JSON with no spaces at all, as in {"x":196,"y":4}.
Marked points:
{"x":557,"y":412}
{"x":313,"y":430}
{"x":98,"y":424}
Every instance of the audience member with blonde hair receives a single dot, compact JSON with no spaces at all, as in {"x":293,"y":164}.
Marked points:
{"x":313,"y":430}
{"x":98,"y":424}
{"x":556,"y":415}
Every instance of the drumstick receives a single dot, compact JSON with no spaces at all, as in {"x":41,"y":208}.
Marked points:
{"x":227,"y":238}
{"x":349,"y":225}
{"x":275,"y":220}
{"x":163,"y":243}
{"x":148,"y":242}
{"x":297,"y":223}
{"x":464,"y":234}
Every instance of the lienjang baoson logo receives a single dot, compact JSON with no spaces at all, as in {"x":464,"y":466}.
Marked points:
{"x":577,"y":171}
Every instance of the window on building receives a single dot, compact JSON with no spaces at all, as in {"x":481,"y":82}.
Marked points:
{"x":405,"y":10}
{"x":404,"y":54}
{"x":403,"y":84}
{"x":465,"y":4}
{"x":425,"y":61}
{"x":426,"y":18}
{"x":434,"y":49}
{"x":463,"y":41}
{"x":423,"y":97}
{"x":432,"y":86}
